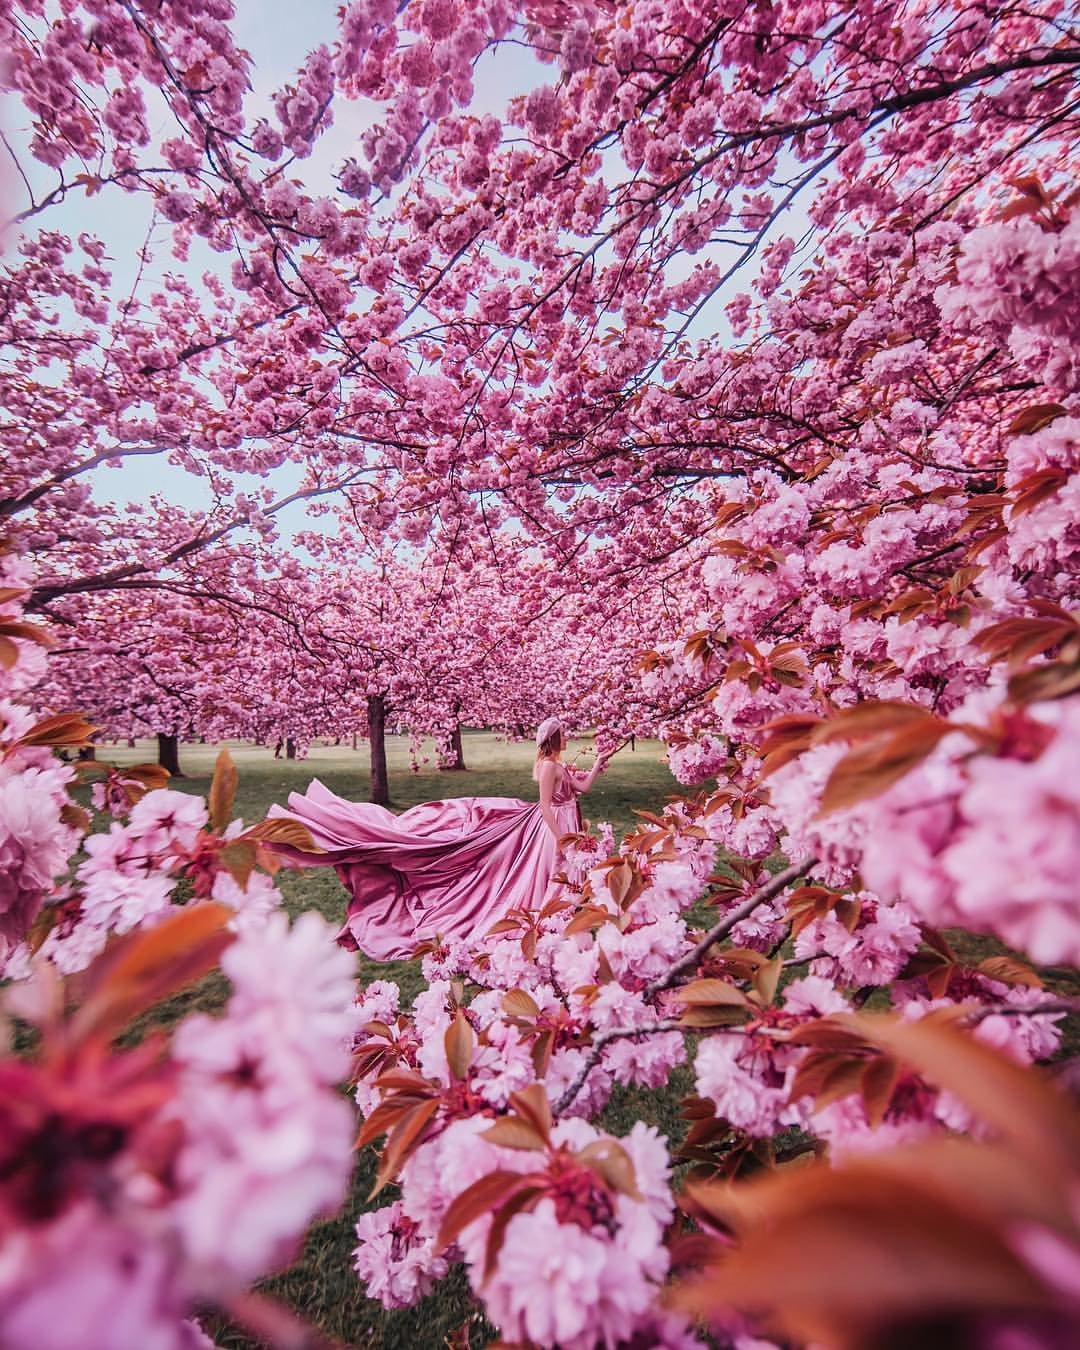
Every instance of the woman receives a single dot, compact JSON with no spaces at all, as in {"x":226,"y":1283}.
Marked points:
{"x":449,"y":868}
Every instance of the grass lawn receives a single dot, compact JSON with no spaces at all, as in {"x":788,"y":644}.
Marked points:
{"x":321,"y":1285}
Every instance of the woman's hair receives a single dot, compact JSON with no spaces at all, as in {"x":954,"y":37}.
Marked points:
{"x":549,"y":738}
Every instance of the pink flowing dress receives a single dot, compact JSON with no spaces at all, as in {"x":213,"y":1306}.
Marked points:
{"x":451,"y":868}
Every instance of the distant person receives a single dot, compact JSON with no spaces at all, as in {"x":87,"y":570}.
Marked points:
{"x":450,"y":867}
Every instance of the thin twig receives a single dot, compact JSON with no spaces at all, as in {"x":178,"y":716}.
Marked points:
{"x":593,"y":1057}
{"x":1051,"y":1006}
{"x":771,"y":888}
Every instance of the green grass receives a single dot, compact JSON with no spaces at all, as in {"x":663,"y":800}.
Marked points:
{"x":321,"y":1284}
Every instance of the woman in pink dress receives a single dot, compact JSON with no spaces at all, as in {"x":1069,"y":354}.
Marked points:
{"x":449,"y":868}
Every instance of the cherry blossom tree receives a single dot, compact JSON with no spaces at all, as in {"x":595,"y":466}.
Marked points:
{"x":439,"y":360}
{"x":768,"y":308}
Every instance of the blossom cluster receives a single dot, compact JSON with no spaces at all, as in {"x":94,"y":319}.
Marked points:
{"x":168,"y":1182}
{"x":142,"y":1184}
{"x":495,"y":1089}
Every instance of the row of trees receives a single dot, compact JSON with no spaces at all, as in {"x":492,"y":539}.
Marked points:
{"x":316,"y":654}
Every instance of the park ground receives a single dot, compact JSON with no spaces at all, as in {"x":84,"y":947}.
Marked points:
{"x":321,"y":1285}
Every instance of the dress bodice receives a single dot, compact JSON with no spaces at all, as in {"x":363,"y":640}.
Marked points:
{"x":566,"y":789}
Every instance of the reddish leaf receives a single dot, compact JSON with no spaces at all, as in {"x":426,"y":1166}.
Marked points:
{"x":222,"y":792}
{"x":1022,"y":638}
{"x":710,"y":993}
{"x":513,"y":1132}
{"x":879,"y":1078}
{"x":282,"y":831}
{"x":69,"y":731}
{"x":503,"y":926}
{"x":76,"y":817}
{"x":1034,"y":418}
{"x":1035,"y":489}
{"x":478,"y":1199}
{"x":611,"y":1162}
{"x":868,"y":770}
{"x":939,"y":978}
{"x":714,"y":1016}
{"x":587,"y":918}
{"x":1009,"y":971}
{"x":827,"y":1075}
{"x":404,"y":1080}
{"x":402,"y":1139}
{"x":1057,"y":679}
{"x":238,"y":857}
{"x":620,"y":881}
{"x":839,"y":1032}
{"x":140,"y":969}
{"x":42,"y":926}
{"x":521,"y":1200}
{"x":27,"y":632}
{"x":543,"y":1048}
{"x":517,"y":1003}
{"x":532,"y":1106}
{"x":848,"y":1257}
{"x":767,"y":977}
{"x":937,"y":941}
{"x":384,"y":1117}
{"x":870,"y":719}
{"x":784,"y":739}
{"x":150,"y":775}
{"x":459,"y":1041}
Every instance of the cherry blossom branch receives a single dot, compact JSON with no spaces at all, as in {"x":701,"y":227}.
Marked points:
{"x":1057,"y":1006}
{"x":119,"y":577}
{"x":597,"y":1050}
{"x":764,"y":893}
{"x":768,"y":891}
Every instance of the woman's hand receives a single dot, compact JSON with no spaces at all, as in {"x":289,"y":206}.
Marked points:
{"x":599,"y":765}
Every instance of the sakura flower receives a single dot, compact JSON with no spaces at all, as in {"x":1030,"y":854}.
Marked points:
{"x":167,"y":821}
{"x":395,"y":1264}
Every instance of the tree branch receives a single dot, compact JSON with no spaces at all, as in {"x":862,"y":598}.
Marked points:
{"x":771,"y":889}
{"x":605,"y":1038}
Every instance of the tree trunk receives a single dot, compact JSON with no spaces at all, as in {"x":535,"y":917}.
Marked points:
{"x":290,"y":748}
{"x":380,"y":784}
{"x":168,"y":754}
{"x":455,"y":762}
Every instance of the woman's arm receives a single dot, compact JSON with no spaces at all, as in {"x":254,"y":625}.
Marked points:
{"x":546,"y":778}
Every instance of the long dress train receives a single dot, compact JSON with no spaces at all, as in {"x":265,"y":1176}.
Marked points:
{"x":450,"y":868}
